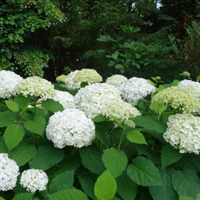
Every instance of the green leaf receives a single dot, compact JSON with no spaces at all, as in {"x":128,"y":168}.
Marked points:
{"x":150,"y":123}
{"x":22,"y":101}
{"x":68,"y":194}
{"x":12,"y":106}
{"x":62,"y":181}
{"x":2,"y":198}
{"x":105,"y":186}
{"x":186,"y":182}
{"x":3,"y":147}
{"x":91,"y":159}
{"x":52,"y":105}
{"x":115,"y":55}
{"x":143,"y":172}
{"x":164,"y":191}
{"x":23,"y":196}
{"x":126,"y":188}
{"x":136,"y":136}
{"x":169,"y":155}
{"x":37,"y":125}
{"x":46,"y":157}
{"x":183,"y":197}
{"x":100,"y":118}
{"x":7,"y":118}
{"x":13,"y":135}
{"x":115,"y":161}
{"x":23,"y":153}
{"x":158,"y":107}
{"x":87,"y":181}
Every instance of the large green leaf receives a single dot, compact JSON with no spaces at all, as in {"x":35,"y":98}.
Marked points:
{"x":13,"y":106}
{"x":52,"y":105}
{"x":136,"y":136}
{"x":13,"y":135}
{"x":62,"y":181}
{"x":87,"y":181}
{"x":164,"y":191}
{"x":91,"y":159}
{"x":115,"y":161}
{"x":37,"y":125}
{"x":46,"y":157}
{"x":105,"y":186}
{"x":126,"y":188}
{"x":169,"y":155}
{"x":143,"y":172}
{"x":23,"y":196}
{"x":150,"y":123}
{"x":68,"y":194}
{"x":186,"y":182}
{"x":184,"y":197}
{"x":23,"y":153}
{"x":22,"y":101}
{"x":3,"y":147}
{"x":7,"y":118}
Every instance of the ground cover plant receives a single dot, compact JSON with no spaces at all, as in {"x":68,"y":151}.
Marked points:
{"x":85,"y":137}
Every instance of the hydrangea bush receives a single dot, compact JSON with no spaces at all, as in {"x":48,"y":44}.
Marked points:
{"x":122,"y":139}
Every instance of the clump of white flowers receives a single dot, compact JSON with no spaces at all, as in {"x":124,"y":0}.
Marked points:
{"x":183,"y":132}
{"x":75,"y":78}
{"x":116,"y":80}
{"x":8,"y":82}
{"x":35,"y":86}
{"x":135,"y":89}
{"x":94,"y":98}
{"x":120,"y":110}
{"x":61,"y":78}
{"x":33,"y":180}
{"x":178,"y":98}
{"x":9,"y":171}
{"x":64,"y":98}
{"x":70,"y":127}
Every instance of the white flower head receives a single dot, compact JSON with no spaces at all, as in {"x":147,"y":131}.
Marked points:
{"x":116,"y":80}
{"x":35,"y":86}
{"x":75,"y":78}
{"x":135,"y":89}
{"x":178,"y":98}
{"x":9,"y":171}
{"x":93,"y":99}
{"x":183,"y":132}
{"x":120,"y":110}
{"x":8,"y":82}
{"x":70,"y":127}
{"x":33,"y":180}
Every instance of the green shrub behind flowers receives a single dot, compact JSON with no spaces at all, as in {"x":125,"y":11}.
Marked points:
{"x":124,"y":141}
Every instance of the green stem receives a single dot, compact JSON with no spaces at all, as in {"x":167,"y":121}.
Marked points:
{"x":121,"y":140}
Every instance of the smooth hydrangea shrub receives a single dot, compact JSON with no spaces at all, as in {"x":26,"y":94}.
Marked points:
{"x":70,"y":127}
{"x":116,"y":80}
{"x":135,"y":89}
{"x":33,"y":180}
{"x":36,"y":87}
{"x":120,"y":110}
{"x":94,"y":98}
{"x":75,"y":78}
{"x":8,"y":82}
{"x":179,"y":98}
{"x":9,"y":171}
{"x":183,"y":133}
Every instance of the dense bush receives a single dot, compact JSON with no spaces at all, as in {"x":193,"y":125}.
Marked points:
{"x":119,"y":139}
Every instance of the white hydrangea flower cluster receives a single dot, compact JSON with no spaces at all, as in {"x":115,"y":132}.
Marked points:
{"x":64,"y":98}
{"x":33,"y":180}
{"x":9,"y":172}
{"x":35,"y":86}
{"x":183,"y":132}
{"x":75,"y":78}
{"x":121,"y":110}
{"x":135,"y":89}
{"x":116,"y":80}
{"x":94,"y":98}
{"x":8,"y":82}
{"x":178,"y":98}
{"x":70,"y":127}
{"x":61,"y":78}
